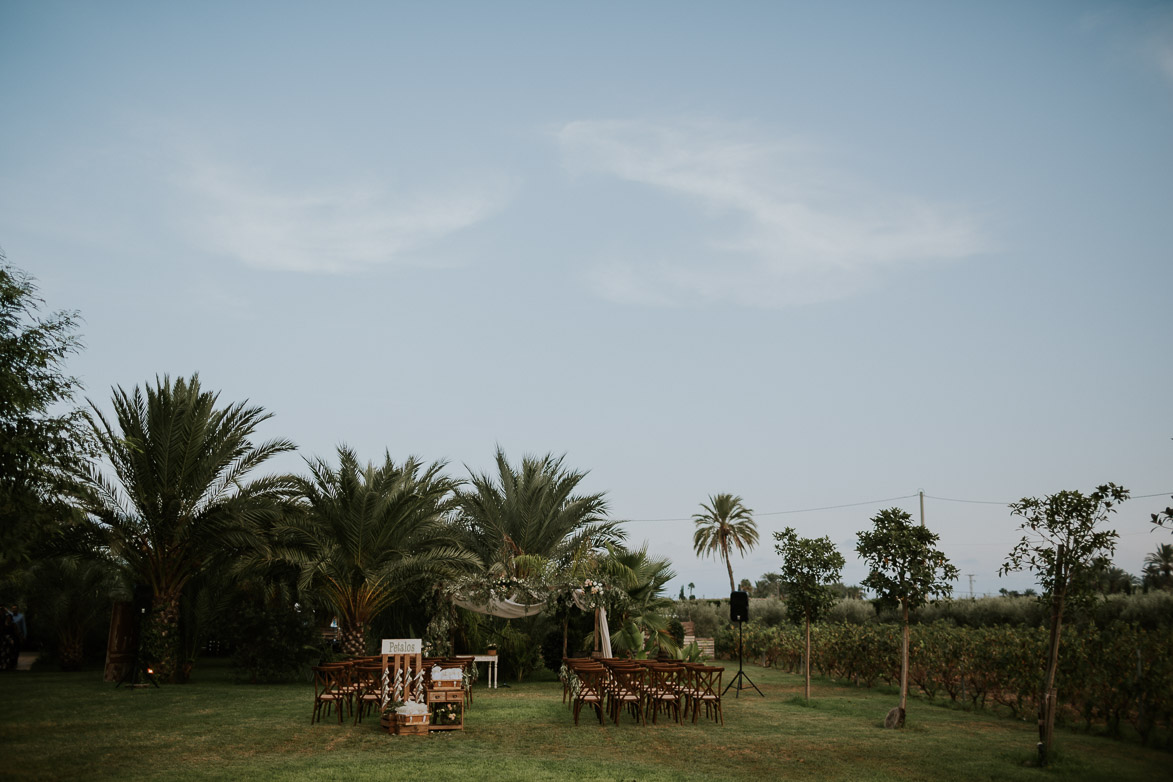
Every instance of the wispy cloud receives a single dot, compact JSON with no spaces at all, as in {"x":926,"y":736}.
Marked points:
{"x":1162,"y":50}
{"x":777,"y":228}
{"x":338,"y":228}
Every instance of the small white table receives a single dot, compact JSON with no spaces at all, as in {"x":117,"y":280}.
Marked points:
{"x":491,"y":659}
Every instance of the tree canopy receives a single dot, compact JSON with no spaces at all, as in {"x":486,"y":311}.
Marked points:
{"x":42,"y":438}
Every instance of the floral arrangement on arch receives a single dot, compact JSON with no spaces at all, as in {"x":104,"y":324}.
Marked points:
{"x":594,"y":593}
{"x":485,"y":587}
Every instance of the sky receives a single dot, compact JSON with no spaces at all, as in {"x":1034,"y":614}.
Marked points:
{"x":814,"y":255}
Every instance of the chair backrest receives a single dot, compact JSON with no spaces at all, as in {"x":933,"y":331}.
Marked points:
{"x":590,"y":682}
{"x":665,"y":678}
{"x":330,"y":679}
{"x":630,"y":679}
{"x":708,"y":681}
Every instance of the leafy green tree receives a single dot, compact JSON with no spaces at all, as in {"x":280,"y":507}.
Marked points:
{"x":367,"y":535}
{"x":1164,"y":517}
{"x":1065,"y":545}
{"x":726,"y":523}
{"x":41,"y":438}
{"x":810,"y":567}
{"x":904,"y":568}
{"x":178,"y":499}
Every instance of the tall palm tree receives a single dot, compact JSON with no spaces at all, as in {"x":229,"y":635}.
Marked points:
{"x":1158,"y":567}
{"x":369,"y":534}
{"x":524,"y":515}
{"x":725,"y":523}
{"x":178,"y":496}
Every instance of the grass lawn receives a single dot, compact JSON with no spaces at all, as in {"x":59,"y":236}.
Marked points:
{"x":74,"y":726}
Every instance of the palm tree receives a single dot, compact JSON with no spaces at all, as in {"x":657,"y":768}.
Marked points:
{"x":522,"y":517}
{"x":71,"y":595}
{"x":1158,"y":567}
{"x":178,"y":496}
{"x":725,"y":522}
{"x":642,"y":578}
{"x":368,"y":535}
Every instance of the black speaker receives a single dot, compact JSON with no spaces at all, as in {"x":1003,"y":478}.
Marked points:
{"x":738,"y":606}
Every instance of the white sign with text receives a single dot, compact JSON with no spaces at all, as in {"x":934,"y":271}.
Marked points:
{"x":402,"y":646}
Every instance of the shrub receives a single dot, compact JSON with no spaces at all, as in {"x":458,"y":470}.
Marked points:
{"x":272,"y":641}
{"x":850,"y":611}
{"x":708,"y":617}
{"x":770,"y":611}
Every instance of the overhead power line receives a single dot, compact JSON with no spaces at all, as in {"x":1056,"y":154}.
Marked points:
{"x":875,"y":502}
{"x":798,"y":510}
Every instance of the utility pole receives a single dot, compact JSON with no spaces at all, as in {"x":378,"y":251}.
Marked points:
{"x":922,"y":507}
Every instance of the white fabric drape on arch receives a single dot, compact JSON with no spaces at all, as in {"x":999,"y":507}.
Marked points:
{"x":507,"y":609}
{"x":601,"y":616}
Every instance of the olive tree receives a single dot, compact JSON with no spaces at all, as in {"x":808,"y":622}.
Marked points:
{"x":1066,"y":545}
{"x":809,"y":567}
{"x":904,"y":568}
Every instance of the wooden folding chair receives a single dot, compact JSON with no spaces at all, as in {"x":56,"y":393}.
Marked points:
{"x":708,"y":689}
{"x":589,"y":690}
{"x":663,"y":690}
{"x":628,"y":690}
{"x":368,"y":693}
{"x":330,"y":682}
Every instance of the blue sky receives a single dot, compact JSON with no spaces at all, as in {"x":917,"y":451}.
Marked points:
{"x":810,"y":254}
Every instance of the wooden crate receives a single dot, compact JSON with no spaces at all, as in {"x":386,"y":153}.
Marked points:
{"x":405,"y":724}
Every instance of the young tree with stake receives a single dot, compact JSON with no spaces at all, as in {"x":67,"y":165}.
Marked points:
{"x":1065,"y":545}
{"x":904,"y":568}
{"x":809,"y":567}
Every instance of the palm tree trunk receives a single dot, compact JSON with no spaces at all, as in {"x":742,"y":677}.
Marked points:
{"x":729,"y":565}
{"x":69,"y":648}
{"x":354,"y":639}
{"x":160,"y":642}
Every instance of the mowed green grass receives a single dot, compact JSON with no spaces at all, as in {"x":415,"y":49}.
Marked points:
{"x":74,"y":726}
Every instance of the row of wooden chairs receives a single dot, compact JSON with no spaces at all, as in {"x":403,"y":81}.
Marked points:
{"x":356,"y":685}
{"x":641,"y":687}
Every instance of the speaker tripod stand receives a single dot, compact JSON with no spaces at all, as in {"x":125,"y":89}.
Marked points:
{"x":740,"y":672}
